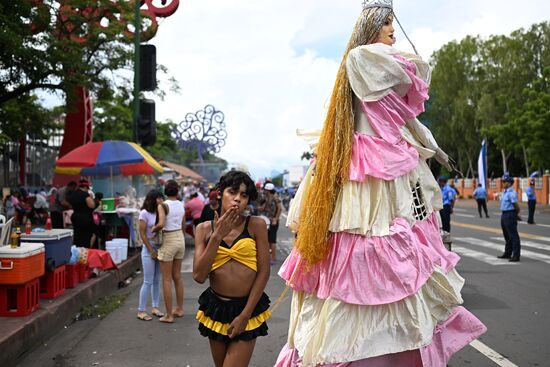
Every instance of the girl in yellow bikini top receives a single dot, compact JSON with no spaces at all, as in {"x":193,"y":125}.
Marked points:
{"x":242,"y":250}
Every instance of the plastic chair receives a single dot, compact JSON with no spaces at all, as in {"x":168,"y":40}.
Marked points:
{"x":5,"y":231}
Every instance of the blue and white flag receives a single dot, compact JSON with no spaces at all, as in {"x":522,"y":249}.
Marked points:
{"x":482,"y":165}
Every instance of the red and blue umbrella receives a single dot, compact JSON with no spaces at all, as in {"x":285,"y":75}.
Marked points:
{"x":108,"y":158}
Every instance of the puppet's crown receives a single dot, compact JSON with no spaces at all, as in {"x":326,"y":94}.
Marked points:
{"x":378,"y":4}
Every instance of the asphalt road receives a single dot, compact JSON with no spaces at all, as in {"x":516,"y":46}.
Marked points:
{"x":512,"y":299}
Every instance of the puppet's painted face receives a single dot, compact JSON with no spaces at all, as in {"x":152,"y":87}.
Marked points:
{"x":386,"y":34}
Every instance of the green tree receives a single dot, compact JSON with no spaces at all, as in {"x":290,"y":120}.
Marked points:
{"x":25,"y":114}
{"x":454,"y":90}
{"x":113,"y":116}
{"x":56,"y":46}
{"x":528,"y":126}
{"x":516,"y":63}
{"x":476,"y":93}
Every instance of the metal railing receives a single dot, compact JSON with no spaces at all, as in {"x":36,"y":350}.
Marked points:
{"x":40,"y":157}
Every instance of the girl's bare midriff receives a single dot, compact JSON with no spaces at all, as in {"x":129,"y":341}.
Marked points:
{"x":232,"y":279}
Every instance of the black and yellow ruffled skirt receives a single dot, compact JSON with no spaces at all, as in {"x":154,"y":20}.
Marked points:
{"x":216,"y":313}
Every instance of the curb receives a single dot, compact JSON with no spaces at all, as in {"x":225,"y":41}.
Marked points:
{"x":20,"y":334}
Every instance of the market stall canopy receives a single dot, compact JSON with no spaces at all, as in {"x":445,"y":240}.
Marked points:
{"x":183,"y":171}
{"x":108,"y":158}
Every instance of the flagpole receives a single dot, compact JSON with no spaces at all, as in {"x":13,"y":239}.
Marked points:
{"x":486,"y":161}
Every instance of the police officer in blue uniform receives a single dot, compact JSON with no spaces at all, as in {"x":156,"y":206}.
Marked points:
{"x":480,"y":194}
{"x":509,"y":221}
{"x":448,"y":194}
{"x":531,"y":201}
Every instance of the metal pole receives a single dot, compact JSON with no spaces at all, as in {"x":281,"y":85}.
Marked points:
{"x":137,"y":41}
{"x":112,"y":184}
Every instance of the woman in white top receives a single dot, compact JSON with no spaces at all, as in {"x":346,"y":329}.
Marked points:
{"x":170,"y":254}
{"x":149,"y":253}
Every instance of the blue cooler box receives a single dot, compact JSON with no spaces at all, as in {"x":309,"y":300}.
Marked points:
{"x":58,"y":244}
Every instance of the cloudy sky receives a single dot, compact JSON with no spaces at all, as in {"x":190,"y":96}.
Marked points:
{"x":269,"y":65}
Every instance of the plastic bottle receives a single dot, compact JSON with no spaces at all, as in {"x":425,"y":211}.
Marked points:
{"x":28,"y":227}
{"x":18,"y":232}
{"x":13,"y":240}
{"x":48,"y":224}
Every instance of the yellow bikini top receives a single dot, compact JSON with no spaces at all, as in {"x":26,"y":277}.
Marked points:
{"x":243,"y":250}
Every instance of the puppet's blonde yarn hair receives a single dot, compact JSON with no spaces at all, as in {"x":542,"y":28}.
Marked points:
{"x":334,"y":149}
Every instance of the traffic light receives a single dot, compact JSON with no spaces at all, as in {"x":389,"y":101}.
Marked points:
{"x":147,"y":67}
{"x":146,"y":124}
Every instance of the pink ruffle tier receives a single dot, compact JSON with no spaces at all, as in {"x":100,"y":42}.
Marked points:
{"x":374,"y":270}
{"x":450,"y":336}
{"x":375,"y":157}
{"x":387,"y":155}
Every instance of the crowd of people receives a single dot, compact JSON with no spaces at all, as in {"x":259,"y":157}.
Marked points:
{"x":74,"y":205}
{"x":24,"y":206}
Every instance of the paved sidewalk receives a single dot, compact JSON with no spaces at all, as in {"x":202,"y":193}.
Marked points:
{"x":471,"y":203}
{"x":21,"y":334}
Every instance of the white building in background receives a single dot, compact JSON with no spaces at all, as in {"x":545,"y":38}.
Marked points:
{"x":294,"y":176}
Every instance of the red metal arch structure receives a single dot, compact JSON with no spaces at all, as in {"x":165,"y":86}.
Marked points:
{"x":79,"y":121}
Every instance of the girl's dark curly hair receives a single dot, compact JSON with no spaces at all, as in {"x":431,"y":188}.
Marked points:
{"x":150,"y":202}
{"x":234,"y":179}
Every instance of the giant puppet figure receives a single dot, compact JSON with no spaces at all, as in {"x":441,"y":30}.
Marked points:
{"x":373,"y":285}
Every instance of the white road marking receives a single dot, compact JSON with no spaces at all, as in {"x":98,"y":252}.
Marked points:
{"x":493,"y":355}
{"x":459,"y":209}
{"x":284,"y":215}
{"x":527,"y":244}
{"x":478,"y":255}
{"x":535,"y":225}
{"x":465,"y":215}
{"x":499,"y":247}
